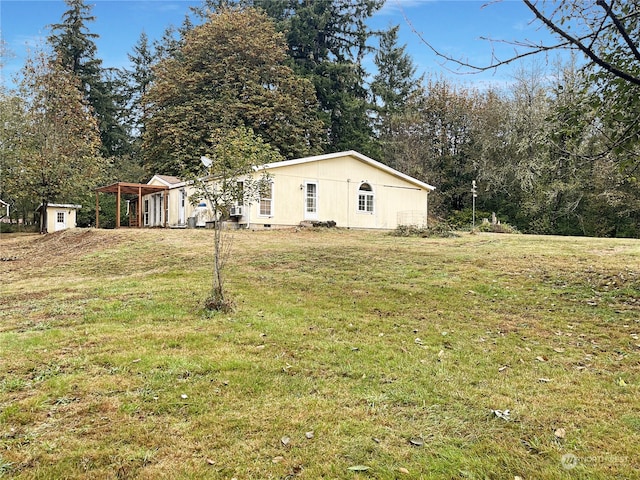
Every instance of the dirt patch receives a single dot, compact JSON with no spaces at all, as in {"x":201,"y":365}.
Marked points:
{"x":32,"y":252}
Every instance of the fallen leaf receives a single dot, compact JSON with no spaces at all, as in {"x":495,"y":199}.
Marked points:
{"x":358,"y":468}
{"x":416,"y":442}
{"x":503,"y":368}
{"x":184,"y":396}
{"x":377,"y":440}
{"x":136,"y":360}
{"x":544,"y":380}
{"x":309,"y":435}
{"x":403,"y":470}
{"x":285,"y":441}
{"x":560,"y":433}
{"x":541,"y":358}
{"x":418,"y":341}
{"x":558,"y":350}
{"x":621,"y":382}
{"x":277,"y":459}
{"x":210,"y":462}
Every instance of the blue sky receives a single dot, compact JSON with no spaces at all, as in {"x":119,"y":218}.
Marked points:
{"x":453,"y":26}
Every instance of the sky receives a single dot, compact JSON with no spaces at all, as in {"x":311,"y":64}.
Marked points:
{"x":452,"y":26}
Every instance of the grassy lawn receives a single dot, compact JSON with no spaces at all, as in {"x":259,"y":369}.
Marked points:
{"x":349,"y":355}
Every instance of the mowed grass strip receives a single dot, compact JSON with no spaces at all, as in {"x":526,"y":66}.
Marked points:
{"x":346,"y":349}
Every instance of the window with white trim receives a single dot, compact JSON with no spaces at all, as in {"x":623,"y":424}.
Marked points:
{"x":266,"y":200}
{"x":365,"y":198}
{"x":60,"y":217}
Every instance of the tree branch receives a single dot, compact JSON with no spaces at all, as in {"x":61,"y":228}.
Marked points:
{"x":621,"y":29}
{"x":583,"y":48}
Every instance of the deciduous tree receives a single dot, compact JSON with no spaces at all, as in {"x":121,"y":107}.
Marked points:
{"x":229,"y":72}
{"x":231,"y":162}
{"x":59,"y":150}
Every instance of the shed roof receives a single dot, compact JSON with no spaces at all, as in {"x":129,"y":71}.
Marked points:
{"x":61,"y":205}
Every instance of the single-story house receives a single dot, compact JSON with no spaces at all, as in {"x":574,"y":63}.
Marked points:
{"x":348,"y":188}
{"x":60,"y":216}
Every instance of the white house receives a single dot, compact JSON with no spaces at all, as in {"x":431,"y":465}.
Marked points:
{"x":60,"y":216}
{"x":348,"y":188}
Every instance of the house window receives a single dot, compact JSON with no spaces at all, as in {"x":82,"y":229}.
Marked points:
{"x":266,"y":200}
{"x":365,"y":198}
{"x":146,"y":211}
{"x":60,"y":217}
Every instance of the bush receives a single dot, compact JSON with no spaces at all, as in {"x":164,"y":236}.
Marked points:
{"x":18,"y":228}
{"x":440,"y":229}
{"x":497,"y":228}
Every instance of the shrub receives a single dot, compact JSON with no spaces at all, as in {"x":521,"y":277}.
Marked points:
{"x":497,"y":228}
{"x":440,"y":229}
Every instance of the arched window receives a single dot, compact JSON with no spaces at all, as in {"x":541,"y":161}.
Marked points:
{"x":365,"y":198}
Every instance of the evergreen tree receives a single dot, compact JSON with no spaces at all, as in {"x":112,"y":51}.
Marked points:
{"x":139,"y":79}
{"x":327,"y":42}
{"x":74,"y":45}
{"x":393,"y":88}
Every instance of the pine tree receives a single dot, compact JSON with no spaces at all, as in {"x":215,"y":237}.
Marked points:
{"x":327,"y":42}
{"x":139,"y":79}
{"x":394,"y":87}
{"x":75,"y":47}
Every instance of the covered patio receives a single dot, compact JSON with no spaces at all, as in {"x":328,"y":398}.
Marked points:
{"x":137,"y":189}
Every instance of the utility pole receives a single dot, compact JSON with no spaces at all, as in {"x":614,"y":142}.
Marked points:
{"x":473,"y":191}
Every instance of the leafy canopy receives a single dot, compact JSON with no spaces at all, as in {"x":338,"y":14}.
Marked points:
{"x":230,"y":72}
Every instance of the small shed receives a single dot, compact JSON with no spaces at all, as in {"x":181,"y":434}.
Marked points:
{"x":4,"y":211}
{"x":60,"y":216}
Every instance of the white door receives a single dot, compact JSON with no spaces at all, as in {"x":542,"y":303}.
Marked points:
{"x":181,"y":208}
{"x":311,"y":200}
{"x":60,"y":221}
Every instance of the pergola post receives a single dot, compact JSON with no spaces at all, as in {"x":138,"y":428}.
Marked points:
{"x":118,"y":207}
{"x":139,"y":189}
{"x":139,"y":212}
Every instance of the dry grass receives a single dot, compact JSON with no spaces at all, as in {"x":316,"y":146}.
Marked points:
{"x":392,"y":351}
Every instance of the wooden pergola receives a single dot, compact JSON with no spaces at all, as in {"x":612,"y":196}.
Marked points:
{"x":138,"y":189}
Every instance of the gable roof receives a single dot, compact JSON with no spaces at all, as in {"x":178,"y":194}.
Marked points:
{"x":168,"y":180}
{"x":353,"y":154}
{"x":60,"y":205}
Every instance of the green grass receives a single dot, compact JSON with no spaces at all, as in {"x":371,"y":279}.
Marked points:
{"x":110,"y":368}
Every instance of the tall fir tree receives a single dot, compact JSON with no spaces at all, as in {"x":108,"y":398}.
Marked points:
{"x":328,"y":40}
{"x":394,"y":87}
{"x":139,"y":79}
{"x":74,"y":45}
